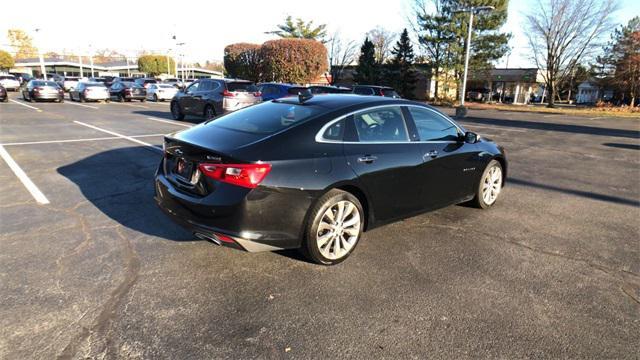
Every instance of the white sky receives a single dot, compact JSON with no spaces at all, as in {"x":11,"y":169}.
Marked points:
{"x":208,"y":26}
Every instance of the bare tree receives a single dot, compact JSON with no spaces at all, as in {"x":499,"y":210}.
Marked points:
{"x":563,"y":32}
{"x":383,"y":40}
{"x":341,"y":54}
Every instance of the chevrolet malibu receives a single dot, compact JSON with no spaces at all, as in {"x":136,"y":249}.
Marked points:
{"x":314,"y":173}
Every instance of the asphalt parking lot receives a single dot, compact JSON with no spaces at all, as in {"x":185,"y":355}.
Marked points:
{"x":90,"y":268}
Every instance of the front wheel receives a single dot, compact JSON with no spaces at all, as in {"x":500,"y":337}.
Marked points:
{"x":209,"y":112}
{"x":176,"y":113}
{"x":82,"y":99}
{"x":490,"y":185}
{"x":155,"y":98}
{"x":334,"y":227}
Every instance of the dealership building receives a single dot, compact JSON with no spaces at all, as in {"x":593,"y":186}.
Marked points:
{"x":123,"y":68}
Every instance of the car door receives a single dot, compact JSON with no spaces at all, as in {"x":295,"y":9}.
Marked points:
{"x":448,"y":163}
{"x":186,"y":100}
{"x":200,"y":96}
{"x":386,"y":161}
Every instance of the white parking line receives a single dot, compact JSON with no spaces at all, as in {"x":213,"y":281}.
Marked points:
{"x":118,"y":135}
{"x":25,"y":105}
{"x":169,"y":122}
{"x":134,"y":105}
{"x":83,"y":105}
{"x":76,"y":140}
{"x":31,"y":187}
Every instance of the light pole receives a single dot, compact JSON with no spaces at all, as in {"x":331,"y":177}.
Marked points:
{"x":41,"y":58}
{"x":461,"y":110}
{"x":91,"y":59}
{"x":181,"y":44}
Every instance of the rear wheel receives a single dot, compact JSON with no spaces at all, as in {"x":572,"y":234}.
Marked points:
{"x":176,"y":113}
{"x":25,"y":97}
{"x":81,"y":97}
{"x":155,"y":97}
{"x":209,"y":112}
{"x":490,"y":185}
{"x":120,"y":98}
{"x":143,"y":100}
{"x":334,"y":227}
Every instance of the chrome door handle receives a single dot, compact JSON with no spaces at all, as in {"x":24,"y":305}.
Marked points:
{"x":368,"y":159}
{"x":431,"y":154}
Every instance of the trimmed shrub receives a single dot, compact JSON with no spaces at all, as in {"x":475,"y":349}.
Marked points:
{"x":243,"y":61}
{"x":293,"y":60}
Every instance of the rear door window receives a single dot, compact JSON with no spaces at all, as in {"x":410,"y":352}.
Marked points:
{"x":381,"y":125}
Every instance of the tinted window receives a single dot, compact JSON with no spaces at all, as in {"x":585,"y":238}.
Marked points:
{"x":335,"y":131}
{"x":389,"y":93}
{"x":382,"y":124}
{"x":266,"y":118}
{"x":205,"y":86}
{"x":7,"y":77}
{"x":193,"y":87}
{"x":241,"y":87}
{"x":363,"y":91}
{"x":38,"y":83}
{"x":432,"y":126}
{"x":94,"y":85}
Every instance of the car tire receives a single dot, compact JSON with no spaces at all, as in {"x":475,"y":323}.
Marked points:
{"x":209,"y":112}
{"x":107,"y":100}
{"x":176,"y":112}
{"x":24,"y":97}
{"x":324,"y":239}
{"x":143,"y":100}
{"x":120,"y":98}
{"x":81,"y":98}
{"x":155,"y":97}
{"x":489,"y":186}
{"x":61,"y":100}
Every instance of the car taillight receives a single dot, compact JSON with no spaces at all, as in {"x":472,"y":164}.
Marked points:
{"x":245,"y":175}
{"x":37,"y":88}
{"x":227,"y":93}
{"x":257,"y":93}
{"x":381,"y":92}
{"x":127,"y":91}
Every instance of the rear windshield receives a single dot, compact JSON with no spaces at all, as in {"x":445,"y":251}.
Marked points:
{"x":45,"y":83}
{"x":71,"y":79}
{"x":241,"y":87}
{"x":7,"y":77}
{"x":131,"y":85}
{"x":389,"y":93}
{"x":266,"y":118}
{"x":166,"y":86}
{"x":150,"y":81}
{"x":94,"y":85}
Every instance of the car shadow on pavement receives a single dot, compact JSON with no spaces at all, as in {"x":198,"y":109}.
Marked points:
{"x":119,"y":183}
{"x":167,"y":116}
{"x":568,"y":128}
{"x":582,"y":193}
{"x":623,"y":146}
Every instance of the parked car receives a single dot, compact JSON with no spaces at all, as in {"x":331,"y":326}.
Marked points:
{"x":59,"y":79}
{"x":174,"y":82}
{"x":145,"y":82}
{"x":4,"y":97}
{"x":23,"y":78}
{"x":9,"y":82}
{"x":271,"y":91}
{"x":326,"y":89}
{"x":127,"y":91}
{"x":70,"y":83}
{"x":375,"y":90}
{"x":36,"y":90}
{"x":129,"y":79}
{"x":212,"y":97}
{"x":94,"y":91}
{"x":161,"y":92}
{"x":315,"y":172}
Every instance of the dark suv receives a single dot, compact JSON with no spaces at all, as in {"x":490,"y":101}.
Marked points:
{"x":374,"y":90}
{"x":212,"y":97}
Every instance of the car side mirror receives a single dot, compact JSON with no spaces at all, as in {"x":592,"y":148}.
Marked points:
{"x":471,"y":137}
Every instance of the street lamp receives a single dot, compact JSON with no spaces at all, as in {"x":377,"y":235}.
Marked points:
{"x":181,"y":58}
{"x":41,"y":58}
{"x":461,"y":110}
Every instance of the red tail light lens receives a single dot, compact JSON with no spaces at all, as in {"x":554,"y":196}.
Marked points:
{"x":227,"y":93}
{"x":245,"y":175}
{"x":257,"y":93}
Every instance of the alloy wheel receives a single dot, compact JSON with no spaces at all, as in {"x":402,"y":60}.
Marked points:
{"x":338,"y":230}
{"x":491,"y":185}
{"x":209,"y":113}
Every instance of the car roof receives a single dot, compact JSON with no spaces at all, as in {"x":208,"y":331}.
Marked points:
{"x":343,"y":100}
{"x":374,"y":86}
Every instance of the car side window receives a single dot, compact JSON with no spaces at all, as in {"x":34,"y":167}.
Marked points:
{"x":433,"y":127}
{"x":381,"y":125}
{"x":193,"y":88}
{"x":214,"y":85}
{"x":204,"y":86}
{"x":334,"y":132}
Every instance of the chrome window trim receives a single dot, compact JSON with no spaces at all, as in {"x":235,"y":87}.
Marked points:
{"x":320,"y":139}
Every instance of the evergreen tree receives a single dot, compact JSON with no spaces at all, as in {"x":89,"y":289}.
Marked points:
{"x":401,"y":74}
{"x":367,"y":69}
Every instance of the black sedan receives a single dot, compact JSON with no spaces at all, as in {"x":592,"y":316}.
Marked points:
{"x":315,"y":172}
{"x":37,"y":90}
{"x":127,"y":91}
{"x":3,"y":94}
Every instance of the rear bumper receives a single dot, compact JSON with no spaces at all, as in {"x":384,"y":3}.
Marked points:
{"x":136,"y":97}
{"x":48,"y":96}
{"x":90,"y":96}
{"x":261,"y":220}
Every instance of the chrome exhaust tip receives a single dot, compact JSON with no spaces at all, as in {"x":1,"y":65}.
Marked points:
{"x":211,"y":238}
